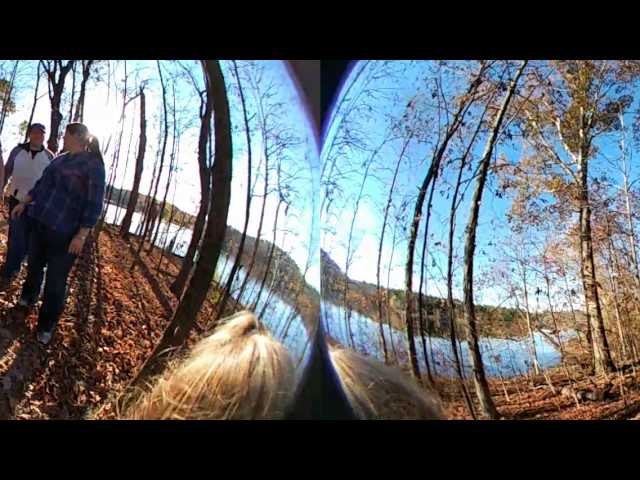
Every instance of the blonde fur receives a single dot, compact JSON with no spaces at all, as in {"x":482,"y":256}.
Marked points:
{"x":380,"y":392}
{"x":238,"y":372}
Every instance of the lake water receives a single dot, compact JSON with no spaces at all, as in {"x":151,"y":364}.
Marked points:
{"x":501,"y":357}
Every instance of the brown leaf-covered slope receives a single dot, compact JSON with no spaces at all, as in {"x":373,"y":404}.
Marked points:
{"x":112,"y":320}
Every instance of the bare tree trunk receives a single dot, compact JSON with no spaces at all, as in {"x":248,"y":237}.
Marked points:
{"x":384,"y":226}
{"x":263,"y":122}
{"x":236,"y":263}
{"x":575,"y":318}
{"x":170,"y":249}
{"x":614,"y":288}
{"x":269,"y":260}
{"x":423,"y":258}
{"x":165,"y":139}
{"x":601,"y":354}
{"x":56,"y":87}
{"x":631,"y":233}
{"x":451,"y":304}
{"x":349,"y":257}
{"x":86,"y":73}
{"x":482,"y":387}
{"x":417,"y":215}
{"x":35,"y":103}
{"x":111,"y":183}
{"x":178,"y":286}
{"x":170,"y":175}
{"x":7,"y":98}
{"x":116,"y":156}
{"x":547,"y":281}
{"x":73,"y":91}
{"x":532,"y":345}
{"x":185,"y":317}
{"x":149,"y":209}
{"x":393,"y":248}
{"x":121,"y":199}
{"x":133,"y":198}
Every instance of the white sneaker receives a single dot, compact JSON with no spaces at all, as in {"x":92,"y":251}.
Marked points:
{"x":44,"y":337}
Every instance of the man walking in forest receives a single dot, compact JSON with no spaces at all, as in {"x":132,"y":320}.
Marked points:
{"x":24,"y":168}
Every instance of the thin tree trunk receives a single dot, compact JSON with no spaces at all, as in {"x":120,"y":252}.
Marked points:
{"x":451,"y":304}
{"x":417,"y":215}
{"x":601,"y":354}
{"x":269,"y":260}
{"x":170,"y":174}
{"x":7,"y":98}
{"x":165,"y":139}
{"x":393,"y":249}
{"x":482,"y":387}
{"x":185,"y":317}
{"x":384,"y":226}
{"x":121,"y":199}
{"x":149,"y":210}
{"x":35,"y":103}
{"x":173,"y":241}
{"x":265,"y":192}
{"x":86,"y":73}
{"x":614,"y":289}
{"x":423,"y":257}
{"x":73,"y":91}
{"x":56,"y":87}
{"x":349,"y":257}
{"x":532,"y":345}
{"x":236,"y":264}
{"x":133,"y":197}
{"x":178,"y":286}
{"x":116,"y":153}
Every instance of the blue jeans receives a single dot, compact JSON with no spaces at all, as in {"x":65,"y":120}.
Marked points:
{"x":51,"y":249}
{"x":18,"y":242}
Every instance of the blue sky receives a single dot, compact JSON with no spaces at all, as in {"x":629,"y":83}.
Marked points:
{"x":336,"y":224}
{"x":102,"y":116}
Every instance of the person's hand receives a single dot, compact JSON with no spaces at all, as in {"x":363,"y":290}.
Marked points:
{"x":17,"y":211}
{"x":75,"y":247}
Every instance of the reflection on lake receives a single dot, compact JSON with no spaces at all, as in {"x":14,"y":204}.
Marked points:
{"x":501,"y":357}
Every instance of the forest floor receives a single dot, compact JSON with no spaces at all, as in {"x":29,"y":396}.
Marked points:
{"x":559,"y":393}
{"x":113,"y":319}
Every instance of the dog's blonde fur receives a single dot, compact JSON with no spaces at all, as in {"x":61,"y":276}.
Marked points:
{"x":238,"y":372}
{"x":380,"y":392}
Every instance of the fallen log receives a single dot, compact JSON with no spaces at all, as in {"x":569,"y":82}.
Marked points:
{"x":592,"y":395}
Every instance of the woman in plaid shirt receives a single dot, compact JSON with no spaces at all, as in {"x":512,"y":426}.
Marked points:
{"x":65,"y":204}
